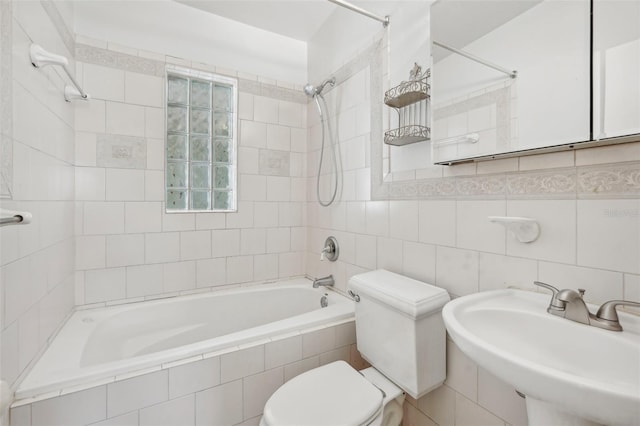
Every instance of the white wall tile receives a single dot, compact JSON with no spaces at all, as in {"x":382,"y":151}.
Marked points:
{"x":90,"y":252}
{"x":377,"y":218}
{"x":265,"y":109}
{"x":210,"y":221}
{"x":253,"y":241}
{"x":154,"y":122}
{"x":143,"y":89}
{"x":221,"y":405}
{"x":281,"y":352}
{"x":258,"y":388}
{"x":77,"y":408}
{"x":101,"y":285}
{"x":90,"y":183}
{"x":243,"y":218}
{"x":557,"y":220}
{"x":143,"y":217}
{"x":125,"y":185}
{"x":319,"y":341}
{"x":179,"y":276}
{"x":176,"y":412}
{"x":250,"y":160}
{"x":468,"y":414}
{"x":390,"y":255}
{"x":144,"y":280}
{"x":162,"y":247}
{"x":296,"y":368}
{"x":194,"y":377}
{"x":245,"y":106}
{"x":225,"y":242}
{"x":278,"y":137}
{"x":252,"y":188}
{"x":609,"y":234}
{"x":90,"y":116}
{"x":124,"y":250}
{"x":462,"y":373}
{"x":474,"y":231}
{"x":607,"y":154}
{"x":178,"y":221}
{"x":85,"y":149}
{"x":103,"y":218}
{"x":498,"y":272}
{"x":138,"y":392}
{"x":265,"y":214}
{"x":125,"y":119}
{"x":440,"y":405}
{"x":403,"y":220}
{"x":241,"y":363}
{"x":457,"y":270}
{"x":290,"y":264}
{"x":129,"y":419}
{"x":253,"y":134}
{"x":278,"y":188}
{"x":153,"y":185}
{"x":239,"y":269}
{"x":600,"y":285}
{"x":366,"y":251}
{"x":104,"y":83}
{"x":419,"y":261}
{"x":265,"y":267}
{"x":291,"y":114}
{"x":211,"y":272}
{"x":195,"y":245}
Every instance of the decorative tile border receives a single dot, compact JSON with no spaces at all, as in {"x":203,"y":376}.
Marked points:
{"x":123,"y":61}
{"x":621,"y":180}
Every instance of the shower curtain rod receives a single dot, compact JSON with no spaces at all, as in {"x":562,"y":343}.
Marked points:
{"x":512,"y":74}
{"x":357,"y":9}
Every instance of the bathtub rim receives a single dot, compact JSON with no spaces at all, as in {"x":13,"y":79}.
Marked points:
{"x":100,"y":377}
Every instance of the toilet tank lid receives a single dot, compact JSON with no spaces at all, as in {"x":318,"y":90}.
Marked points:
{"x":412,"y":297}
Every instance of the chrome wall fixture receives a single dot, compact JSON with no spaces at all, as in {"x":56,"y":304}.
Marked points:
{"x":10,"y":217}
{"x":510,"y":73}
{"x":357,"y":9}
{"x":41,"y":58}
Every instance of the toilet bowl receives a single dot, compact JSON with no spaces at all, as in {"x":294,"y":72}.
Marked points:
{"x":335,"y":394}
{"x":399,"y":330}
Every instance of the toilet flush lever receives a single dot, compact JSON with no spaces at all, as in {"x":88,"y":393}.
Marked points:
{"x":353,"y":295}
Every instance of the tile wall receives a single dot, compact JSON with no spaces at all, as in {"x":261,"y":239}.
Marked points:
{"x":587,"y":203}
{"x":225,"y":388}
{"x":128,"y":247}
{"x":37,"y":261}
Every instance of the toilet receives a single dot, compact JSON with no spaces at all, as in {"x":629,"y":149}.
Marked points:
{"x":400,"y":332}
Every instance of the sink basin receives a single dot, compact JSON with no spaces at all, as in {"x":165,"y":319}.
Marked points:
{"x":571,"y":373}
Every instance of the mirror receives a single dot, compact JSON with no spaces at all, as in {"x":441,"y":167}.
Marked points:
{"x":481,"y":107}
{"x":616,"y":68}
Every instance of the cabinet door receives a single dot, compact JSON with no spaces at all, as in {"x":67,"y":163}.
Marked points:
{"x":616,"y":68}
{"x":480,"y":112}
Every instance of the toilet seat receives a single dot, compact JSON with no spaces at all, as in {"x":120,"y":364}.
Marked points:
{"x":329,"y":395}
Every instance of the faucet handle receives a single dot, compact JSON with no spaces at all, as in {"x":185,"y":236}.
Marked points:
{"x":554,"y":304}
{"x":608,"y":312}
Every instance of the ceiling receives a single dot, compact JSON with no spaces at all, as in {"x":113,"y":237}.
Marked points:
{"x":297,"y":19}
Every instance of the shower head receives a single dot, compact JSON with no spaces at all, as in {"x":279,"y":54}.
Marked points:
{"x":312,"y":91}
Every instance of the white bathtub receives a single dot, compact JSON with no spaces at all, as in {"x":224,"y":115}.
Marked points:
{"x":107,"y":343}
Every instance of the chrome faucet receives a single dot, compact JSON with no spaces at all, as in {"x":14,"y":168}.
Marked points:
{"x":327,"y":281}
{"x":570,"y":304}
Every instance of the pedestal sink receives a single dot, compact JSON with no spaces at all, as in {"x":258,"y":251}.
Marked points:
{"x":571,"y":373}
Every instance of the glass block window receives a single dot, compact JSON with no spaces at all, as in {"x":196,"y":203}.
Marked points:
{"x":201,"y":141}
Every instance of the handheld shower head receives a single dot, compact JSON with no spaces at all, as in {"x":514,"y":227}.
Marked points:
{"x":312,"y":91}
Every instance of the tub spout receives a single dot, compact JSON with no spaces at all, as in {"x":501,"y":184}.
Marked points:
{"x":325,"y":281}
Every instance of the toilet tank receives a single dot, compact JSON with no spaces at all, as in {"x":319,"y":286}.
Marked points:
{"x":400,"y":330}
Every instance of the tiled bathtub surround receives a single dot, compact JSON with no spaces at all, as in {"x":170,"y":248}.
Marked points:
{"x":129,"y":247}
{"x":229,"y":387}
